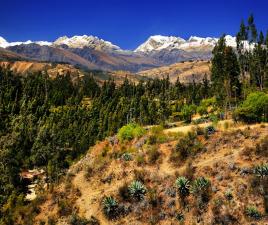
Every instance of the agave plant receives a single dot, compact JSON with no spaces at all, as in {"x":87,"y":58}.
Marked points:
{"x":183,"y":185}
{"x":261,"y":171}
{"x":110,"y":207}
{"x":127,"y":156}
{"x":252,"y":211}
{"x":137,"y":190}
{"x":200,"y":185}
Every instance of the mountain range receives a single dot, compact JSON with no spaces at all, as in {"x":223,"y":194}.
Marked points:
{"x":93,"y":53}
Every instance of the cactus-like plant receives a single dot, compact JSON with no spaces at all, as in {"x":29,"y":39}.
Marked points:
{"x":200,"y":184}
{"x":137,"y":190}
{"x":261,"y":171}
{"x":110,"y":207}
{"x":127,"y":156}
{"x":252,"y":212}
{"x":179,"y":216}
{"x":183,"y":186}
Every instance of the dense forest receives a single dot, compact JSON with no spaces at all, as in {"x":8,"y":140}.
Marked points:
{"x":48,"y":123}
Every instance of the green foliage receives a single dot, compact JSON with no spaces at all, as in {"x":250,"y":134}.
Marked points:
{"x":130,"y":131}
{"x":253,"y":109}
{"x":186,"y":146}
{"x":180,"y":217}
{"x":137,"y":190}
{"x":153,"y":154}
{"x":183,"y":186}
{"x":228,"y":195}
{"x":252,"y":212}
{"x":187,"y":112}
{"x":110,"y":207}
{"x":261,"y":171}
{"x":127,"y":156}
{"x":200,"y":186}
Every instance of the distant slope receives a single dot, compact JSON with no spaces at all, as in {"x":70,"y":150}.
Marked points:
{"x":185,"y":71}
{"x":53,"y":69}
{"x":10,"y":56}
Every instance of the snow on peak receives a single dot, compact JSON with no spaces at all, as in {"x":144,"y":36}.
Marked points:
{"x":158,"y":42}
{"x":5,"y":44}
{"x":86,"y":41}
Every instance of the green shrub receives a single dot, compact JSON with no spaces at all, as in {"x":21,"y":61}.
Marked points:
{"x":140,"y":159}
{"x":110,"y":207}
{"x":187,"y":112}
{"x":183,"y":186}
{"x":137,"y":190}
{"x":185,"y":147}
{"x":252,"y":212}
{"x":130,"y":131}
{"x":253,"y":109}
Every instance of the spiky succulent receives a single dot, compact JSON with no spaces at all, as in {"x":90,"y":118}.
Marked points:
{"x":179,"y":216}
{"x":110,"y":207}
{"x":137,"y":190}
{"x":261,"y":171}
{"x":252,"y":211}
{"x":183,"y":186}
{"x":127,"y":156}
{"x":201,"y":184}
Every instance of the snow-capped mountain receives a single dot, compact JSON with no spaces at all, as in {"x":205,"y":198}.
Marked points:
{"x":4,"y":43}
{"x":87,"y":51}
{"x":159,"y":43}
{"x":86,"y":41}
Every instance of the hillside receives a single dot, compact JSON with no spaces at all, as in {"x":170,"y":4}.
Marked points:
{"x":185,"y":71}
{"x":225,"y":158}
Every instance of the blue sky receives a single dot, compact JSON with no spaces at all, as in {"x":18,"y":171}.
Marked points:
{"x":126,"y":23}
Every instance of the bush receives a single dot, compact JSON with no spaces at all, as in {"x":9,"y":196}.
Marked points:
{"x":137,"y":190}
{"x":209,"y":130}
{"x":130,"y":131}
{"x":65,"y":208}
{"x":253,"y":109}
{"x":153,"y":155}
{"x":110,"y":207}
{"x":262,"y":147}
{"x":252,"y":212}
{"x":77,"y":220}
{"x":186,"y":146}
{"x":124,"y":192}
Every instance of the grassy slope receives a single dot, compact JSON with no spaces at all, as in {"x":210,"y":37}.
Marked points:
{"x":224,"y":158}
